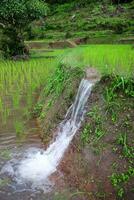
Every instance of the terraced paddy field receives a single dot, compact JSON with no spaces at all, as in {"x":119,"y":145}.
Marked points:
{"x":22,"y":82}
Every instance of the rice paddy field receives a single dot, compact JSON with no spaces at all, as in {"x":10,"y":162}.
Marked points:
{"x":117,"y":59}
{"x":20,"y":80}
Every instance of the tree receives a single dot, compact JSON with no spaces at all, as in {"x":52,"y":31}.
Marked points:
{"x":15,"y":17}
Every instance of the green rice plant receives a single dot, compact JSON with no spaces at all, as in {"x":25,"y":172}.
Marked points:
{"x":19,"y":82}
{"x":108,"y":59}
{"x":1,"y":105}
{"x":16,"y":100}
{"x":19,"y":128}
{"x":5,"y":114}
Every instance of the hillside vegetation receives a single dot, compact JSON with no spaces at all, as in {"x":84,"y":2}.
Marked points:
{"x":88,"y":19}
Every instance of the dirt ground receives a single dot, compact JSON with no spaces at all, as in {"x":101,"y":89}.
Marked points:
{"x":88,"y":168}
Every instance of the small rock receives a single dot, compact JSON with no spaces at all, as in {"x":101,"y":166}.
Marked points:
{"x":92,"y":74}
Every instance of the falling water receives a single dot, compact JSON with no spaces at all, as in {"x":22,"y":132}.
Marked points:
{"x":36,"y":165}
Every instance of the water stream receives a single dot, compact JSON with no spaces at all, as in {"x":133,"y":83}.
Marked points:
{"x":30,"y":169}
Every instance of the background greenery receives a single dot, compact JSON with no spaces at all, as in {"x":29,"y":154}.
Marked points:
{"x":72,"y":19}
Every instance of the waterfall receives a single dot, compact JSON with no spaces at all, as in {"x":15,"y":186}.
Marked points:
{"x":37,"y":165}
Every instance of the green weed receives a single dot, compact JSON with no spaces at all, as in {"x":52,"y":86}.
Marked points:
{"x":95,"y":115}
{"x":5,"y":154}
{"x":4,"y":182}
{"x":114,"y":165}
{"x":93,"y":132}
{"x":111,"y":104}
{"x":118,"y":86}
{"x":62,"y":77}
{"x":37,"y":110}
{"x":55,"y":83}
{"x":123,"y":84}
{"x":118,"y":180}
{"x":85,"y":135}
{"x":99,"y":134}
{"x":101,"y":195}
{"x":128,"y":151}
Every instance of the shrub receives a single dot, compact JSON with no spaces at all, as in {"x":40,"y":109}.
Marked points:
{"x":15,"y":16}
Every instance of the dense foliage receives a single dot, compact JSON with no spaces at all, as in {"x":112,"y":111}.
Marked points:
{"x":87,"y":1}
{"x":102,"y":19}
{"x":15,"y":16}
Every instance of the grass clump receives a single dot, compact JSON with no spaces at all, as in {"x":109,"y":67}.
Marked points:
{"x":118,"y":88}
{"x":37,"y":110}
{"x":124,"y":84}
{"x":93,"y":131}
{"x":5,"y":154}
{"x":60,"y":80}
{"x":56,"y":82}
{"x":85,"y":135}
{"x":57,"y":97}
{"x":128,"y":151}
{"x":119,"y":179}
{"x":4,"y":182}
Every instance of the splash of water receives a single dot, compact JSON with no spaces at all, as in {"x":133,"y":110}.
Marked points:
{"x":37,"y":165}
